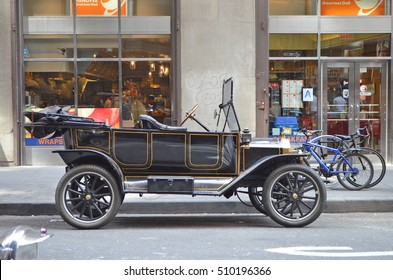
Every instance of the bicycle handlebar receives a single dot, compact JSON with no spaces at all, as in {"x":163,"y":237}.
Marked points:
{"x":361,"y":133}
{"x":309,"y":133}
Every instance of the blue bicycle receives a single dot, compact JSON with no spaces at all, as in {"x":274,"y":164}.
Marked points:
{"x":353,"y":169}
{"x":358,"y":141}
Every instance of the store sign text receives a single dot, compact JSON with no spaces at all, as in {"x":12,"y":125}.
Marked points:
{"x":353,"y":8}
{"x":100,"y":7}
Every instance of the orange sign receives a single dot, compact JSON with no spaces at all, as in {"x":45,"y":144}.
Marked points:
{"x":100,"y":7}
{"x":353,"y":8}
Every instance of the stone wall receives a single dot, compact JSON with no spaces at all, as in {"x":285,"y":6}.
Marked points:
{"x":6,"y":108}
{"x":217,"y":42}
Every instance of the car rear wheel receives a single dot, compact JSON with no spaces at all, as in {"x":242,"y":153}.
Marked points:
{"x":87,"y":197}
{"x":255,"y":195}
{"x":294,"y":195}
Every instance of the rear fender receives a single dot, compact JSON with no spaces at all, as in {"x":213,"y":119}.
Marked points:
{"x":84,"y":156}
{"x":258,"y":172}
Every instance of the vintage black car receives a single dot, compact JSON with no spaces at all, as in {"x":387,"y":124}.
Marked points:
{"x":105,"y":163}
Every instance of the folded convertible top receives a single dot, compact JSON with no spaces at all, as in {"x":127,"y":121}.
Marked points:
{"x":53,"y":121}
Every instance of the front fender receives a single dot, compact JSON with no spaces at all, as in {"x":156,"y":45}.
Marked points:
{"x":86,"y":156}
{"x":259,"y":171}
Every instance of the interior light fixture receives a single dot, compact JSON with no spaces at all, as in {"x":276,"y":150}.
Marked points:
{"x":132,"y":65}
{"x":152,"y":67}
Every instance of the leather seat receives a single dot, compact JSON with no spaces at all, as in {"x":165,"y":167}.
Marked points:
{"x":149,"y":122}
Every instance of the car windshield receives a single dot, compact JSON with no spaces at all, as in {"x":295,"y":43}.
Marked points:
{"x":228,"y":107}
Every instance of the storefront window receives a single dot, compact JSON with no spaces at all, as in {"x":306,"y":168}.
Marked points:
{"x":98,"y":91}
{"x":97,"y":46}
{"x":293,"y":45}
{"x":97,"y":80}
{"x":146,"y":46}
{"x":145,"y":74}
{"x":358,"y":45}
{"x":293,"y":7}
{"x":48,"y":84}
{"x":47,"y":8}
{"x":293,"y":96}
{"x":330,"y":7}
{"x":355,"y":8}
{"x":128,"y":7}
{"x":48,"y":46}
{"x":149,"y":7}
{"x":116,"y":81}
{"x":146,"y":90}
{"x":145,"y":60}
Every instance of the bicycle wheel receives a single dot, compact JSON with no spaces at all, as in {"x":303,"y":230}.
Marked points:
{"x":378,"y":163}
{"x":360,"y":163}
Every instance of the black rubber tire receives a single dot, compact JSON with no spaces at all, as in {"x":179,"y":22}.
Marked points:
{"x":361,"y":180}
{"x":378,"y":163}
{"x":255,"y":195}
{"x":87,"y":197}
{"x":294,"y":195}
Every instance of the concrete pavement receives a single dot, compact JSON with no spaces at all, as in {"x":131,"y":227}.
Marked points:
{"x":30,"y":190}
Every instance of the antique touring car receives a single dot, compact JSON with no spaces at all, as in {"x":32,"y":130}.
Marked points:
{"x":106,"y":163}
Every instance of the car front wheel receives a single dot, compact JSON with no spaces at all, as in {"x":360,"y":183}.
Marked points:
{"x":87,"y":197}
{"x":294,"y":195}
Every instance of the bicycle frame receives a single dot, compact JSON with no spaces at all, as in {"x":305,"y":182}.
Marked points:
{"x":337,"y":155}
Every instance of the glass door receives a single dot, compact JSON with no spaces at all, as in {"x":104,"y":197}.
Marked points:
{"x":337,"y":100}
{"x":354,"y":95}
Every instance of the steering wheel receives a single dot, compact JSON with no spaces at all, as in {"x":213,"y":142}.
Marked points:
{"x":190,"y":114}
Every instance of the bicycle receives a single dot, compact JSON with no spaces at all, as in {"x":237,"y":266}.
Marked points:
{"x":356,"y":142}
{"x":353,"y":170}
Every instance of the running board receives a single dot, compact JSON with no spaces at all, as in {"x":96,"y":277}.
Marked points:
{"x":176,"y":185}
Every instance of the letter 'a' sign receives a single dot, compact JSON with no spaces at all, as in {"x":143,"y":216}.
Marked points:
{"x":308,"y":94}
{"x":100,"y":7}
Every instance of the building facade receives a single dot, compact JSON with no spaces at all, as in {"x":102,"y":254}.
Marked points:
{"x":300,"y":63}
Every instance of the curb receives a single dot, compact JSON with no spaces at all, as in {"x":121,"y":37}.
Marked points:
{"x":165,"y":208}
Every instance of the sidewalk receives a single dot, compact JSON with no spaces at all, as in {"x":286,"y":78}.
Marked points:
{"x":30,"y":190}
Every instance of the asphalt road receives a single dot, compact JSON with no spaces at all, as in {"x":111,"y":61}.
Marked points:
{"x":345,"y":236}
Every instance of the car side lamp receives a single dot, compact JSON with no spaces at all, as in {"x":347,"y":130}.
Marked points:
{"x":246,"y":137}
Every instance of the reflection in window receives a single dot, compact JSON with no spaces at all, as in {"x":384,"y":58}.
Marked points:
{"x":293,"y":7}
{"x":292,"y":45}
{"x":48,"y":84}
{"x":293,"y":96}
{"x":349,"y":45}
